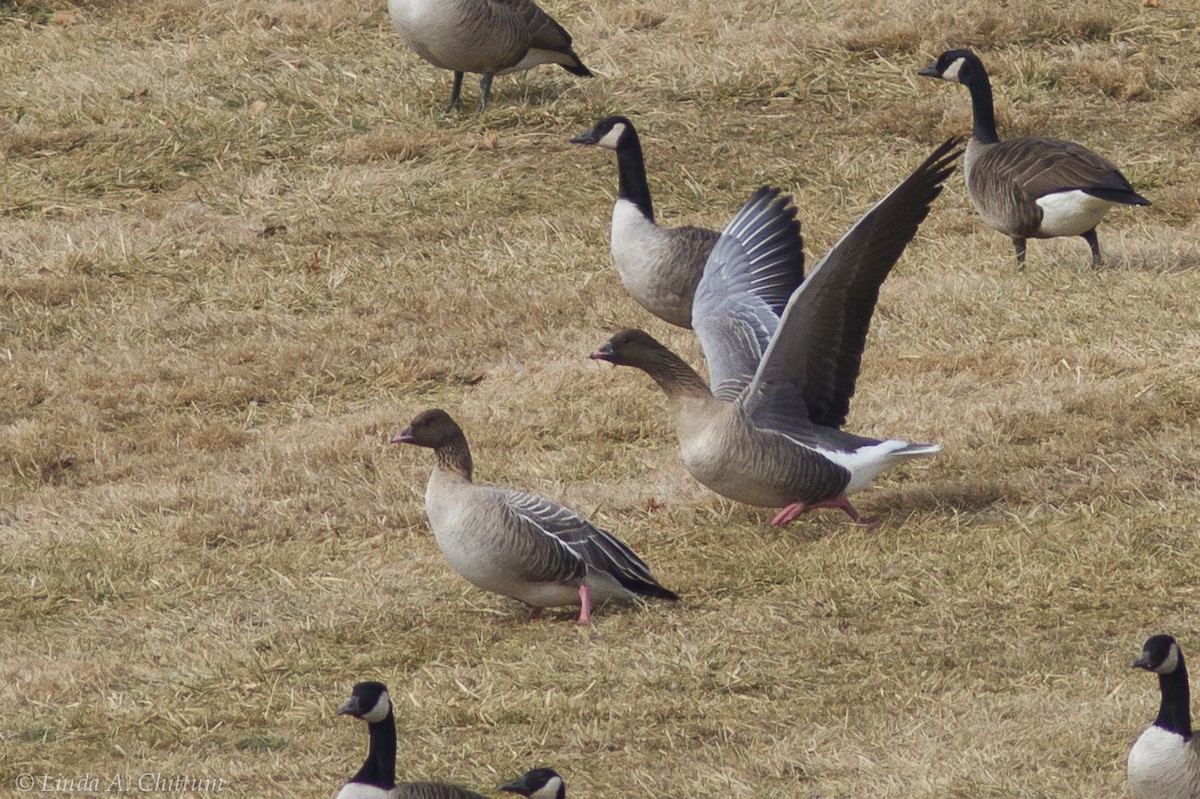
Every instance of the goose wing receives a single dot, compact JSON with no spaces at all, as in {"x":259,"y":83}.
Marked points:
{"x":809,"y":370}
{"x":573,"y":546}
{"x":754,"y":267}
{"x":1039,"y":166}
{"x":544,"y":31}
{"x":433,"y":790}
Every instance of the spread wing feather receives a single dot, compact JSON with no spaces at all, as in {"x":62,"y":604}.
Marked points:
{"x":754,"y":267}
{"x":811,"y":366}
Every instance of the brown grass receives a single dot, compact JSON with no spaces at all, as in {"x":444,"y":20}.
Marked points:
{"x":240,"y":248}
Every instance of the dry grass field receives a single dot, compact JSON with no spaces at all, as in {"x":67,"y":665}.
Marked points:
{"x":240,"y":248}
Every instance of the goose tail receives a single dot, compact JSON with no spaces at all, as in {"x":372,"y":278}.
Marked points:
{"x":917,"y":450}
{"x":575,"y":65}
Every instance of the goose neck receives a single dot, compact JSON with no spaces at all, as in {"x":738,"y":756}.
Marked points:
{"x":380,"y":765}
{"x":1174,"y":713}
{"x":676,"y":378}
{"x":454,"y":456}
{"x":631,"y":169}
{"x":983,"y":111}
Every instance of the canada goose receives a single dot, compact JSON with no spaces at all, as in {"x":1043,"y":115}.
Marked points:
{"x":768,"y":432}
{"x":376,"y":779}
{"x":518,"y":544}
{"x":540,"y":783}
{"x":659,"y":266}
{"x":1164,"y":762}
{"x":491,"y":37}
{"x":1031,"y":187}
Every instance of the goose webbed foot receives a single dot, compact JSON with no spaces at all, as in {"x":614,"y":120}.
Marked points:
{"x":533,"y":613}
{"x":793,"y":511}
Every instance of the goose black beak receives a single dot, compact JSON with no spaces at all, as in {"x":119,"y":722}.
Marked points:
{"x":404,"y":437}
{"x":929,"y":71}
{"x":587,"y":137}
{"x":1142,"y":662}
{"x":516,"y":786}
{"x":350,"y":708}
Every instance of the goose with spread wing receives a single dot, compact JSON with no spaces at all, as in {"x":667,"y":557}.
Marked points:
{"x":784,"y":360}
{"x":517,"y":544}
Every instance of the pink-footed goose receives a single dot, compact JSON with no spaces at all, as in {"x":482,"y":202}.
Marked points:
{"x":659,"y":266}
{"x":1164,"y":762}
{"x":1031,"y":187}
{"x":490,"y":37}
{"x":768,"y":430}
{"x":517,"y":544}
{"x":376,"y":779}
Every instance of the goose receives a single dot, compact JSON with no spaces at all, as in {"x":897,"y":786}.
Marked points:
{"x":1031,"y":187}
{"x":540,"y":783}
{"x":1164,"y":762}
{"x":491,"y":37}
{"x":376,"y":779}
{"x":766,"y":430}
{"x":660,"y":266}
{"x":517,"y":544}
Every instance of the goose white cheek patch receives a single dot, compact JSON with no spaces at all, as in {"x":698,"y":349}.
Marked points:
{"x":951,"y":72}
{"x":611,"y":138}
{"x":547,"y":791}
{"x":380,"y":711}
{"x":1171,"y":662}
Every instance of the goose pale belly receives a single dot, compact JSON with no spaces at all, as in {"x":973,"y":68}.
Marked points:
{"x":642,"y":252}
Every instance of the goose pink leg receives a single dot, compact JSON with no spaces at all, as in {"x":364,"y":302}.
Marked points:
{"x":585,"y":604}
{"x":793,"y":511}
{"x":531,"y":615}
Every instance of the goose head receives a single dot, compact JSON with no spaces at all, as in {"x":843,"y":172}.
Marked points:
{"x":368,"y":701}
{"x":956,"y":66}
{"x":609,"y":133}
{"x":1160,"y":654}
{"x":433,"y":428}
{"x":635,"y":348}
{"x":540,"y":783}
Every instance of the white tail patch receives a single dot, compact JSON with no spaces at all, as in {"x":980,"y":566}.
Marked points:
{"x":1071,"y":213}
{"x":535,"y":57}
{"x":865,"y":463}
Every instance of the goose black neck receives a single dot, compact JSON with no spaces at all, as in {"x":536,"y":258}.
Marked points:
{"x":380,"y":766}
{"x":631,"y":168}
{"x":455,"y":456}
{"x":983,"y":111}
{"x":1174,"y":714}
